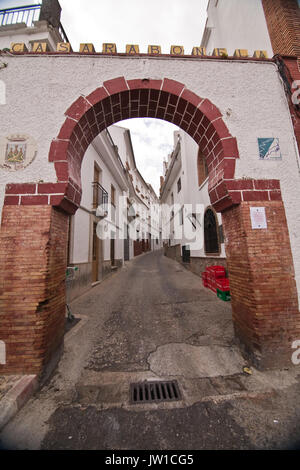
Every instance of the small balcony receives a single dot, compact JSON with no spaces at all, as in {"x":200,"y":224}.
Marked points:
{"x":100,"y":197}
{"x":26,"y":14}
{"x":29,"y":14}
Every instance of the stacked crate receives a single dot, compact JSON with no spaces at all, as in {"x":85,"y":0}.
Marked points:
{"x":214,"y":273}
{"x":223,"y":289}
{"x":204,"y":279}
{"x":215,"y":279}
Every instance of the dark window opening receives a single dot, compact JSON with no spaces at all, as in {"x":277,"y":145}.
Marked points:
{"x":211,"y":239}
{"x":186,"y":254}
{"x":179,"y":185}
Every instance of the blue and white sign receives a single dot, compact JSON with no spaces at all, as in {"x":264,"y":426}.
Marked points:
{"x":269,"y":148}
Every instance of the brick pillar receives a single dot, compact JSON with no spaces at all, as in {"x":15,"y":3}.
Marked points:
{"x":264,"y":295}
{"x":33,"y":256}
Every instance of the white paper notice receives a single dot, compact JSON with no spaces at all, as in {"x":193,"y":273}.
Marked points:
{"x":258,"y":217}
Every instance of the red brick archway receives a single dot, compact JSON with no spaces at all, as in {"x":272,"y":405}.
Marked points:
{"x":33,"y":254}
{"x":165,"y":99}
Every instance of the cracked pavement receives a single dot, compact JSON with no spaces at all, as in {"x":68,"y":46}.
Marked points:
{"x":153,"y":320}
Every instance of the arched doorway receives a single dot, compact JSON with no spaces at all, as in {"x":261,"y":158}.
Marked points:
{"x":34,"y":311}
{"x":119,"y":99}
{"x":211,"y":237}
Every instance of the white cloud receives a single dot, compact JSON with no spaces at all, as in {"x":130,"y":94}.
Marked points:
{"x":140,"y":22}
{"x":152,"y":141}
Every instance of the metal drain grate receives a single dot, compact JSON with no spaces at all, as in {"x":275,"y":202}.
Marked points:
{"x":145,"y":392}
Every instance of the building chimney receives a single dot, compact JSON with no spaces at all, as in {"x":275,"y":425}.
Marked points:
{"x":283,"y":21}
{"x":50,"y":12}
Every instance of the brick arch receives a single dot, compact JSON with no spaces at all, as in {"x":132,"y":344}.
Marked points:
{"x":265,"y":323}
{"x":120,"y":99}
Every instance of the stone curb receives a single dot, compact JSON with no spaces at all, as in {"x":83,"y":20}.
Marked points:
{"x":16,"y":398}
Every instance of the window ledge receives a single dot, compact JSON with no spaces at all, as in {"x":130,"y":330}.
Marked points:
{"x":212,"y":255}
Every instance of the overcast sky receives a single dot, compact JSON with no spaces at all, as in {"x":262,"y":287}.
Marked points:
{"x":143,"y":22}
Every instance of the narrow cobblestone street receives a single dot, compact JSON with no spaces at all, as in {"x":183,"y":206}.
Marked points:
{"x":153,"y":320}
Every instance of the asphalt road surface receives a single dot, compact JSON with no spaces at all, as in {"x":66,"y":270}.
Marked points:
{"x":153,"y":320}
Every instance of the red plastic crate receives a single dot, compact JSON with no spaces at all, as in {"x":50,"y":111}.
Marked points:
{"x":214,"y":278}
{"x":223,"y":284}
{"x":204,"y":279}
{"x":217,"y":270}
{"x":213,"y":288}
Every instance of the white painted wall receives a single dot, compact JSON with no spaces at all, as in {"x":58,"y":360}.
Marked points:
{"x":250,"y":95}
{"x":237,"y":24}
{"x":118,"y":135}
{"x":40,"y":32}
{"x":80,"y":251}
{"x":82,"y":236}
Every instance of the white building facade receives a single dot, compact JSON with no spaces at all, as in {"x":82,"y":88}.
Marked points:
{"x":143,"y":201}
{"x":191,"y":229}
{"x":96,"y":242}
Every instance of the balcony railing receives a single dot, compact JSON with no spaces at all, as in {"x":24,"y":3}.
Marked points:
{"x":63,"y":33}
{"x":27,"y":14}
{"x":100,"y":196}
